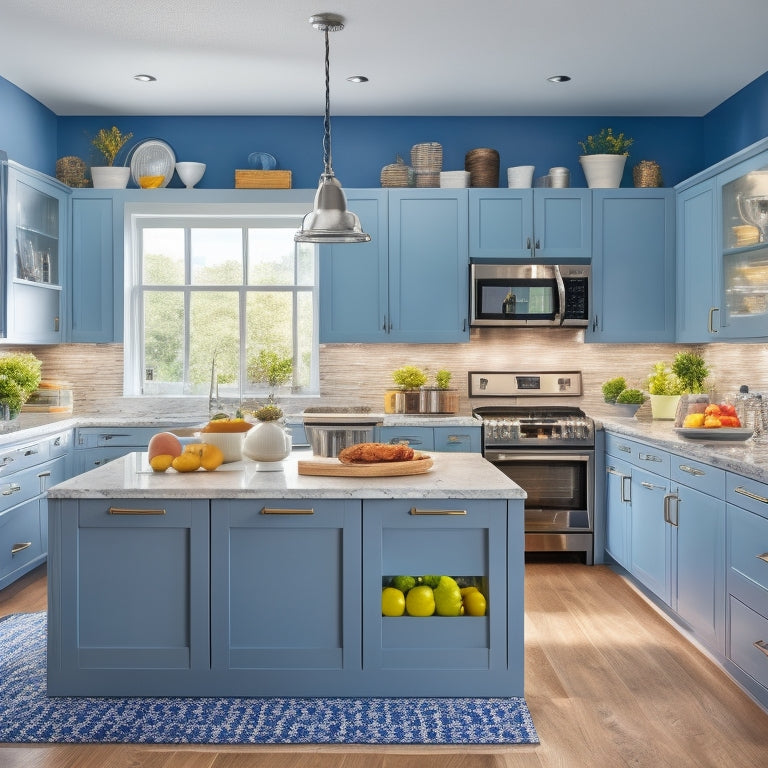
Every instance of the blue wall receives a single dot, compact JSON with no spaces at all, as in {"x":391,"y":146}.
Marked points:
{"x":363,"y":145}
{"x":28,"y":130}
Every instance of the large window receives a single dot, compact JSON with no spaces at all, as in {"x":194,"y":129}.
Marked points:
{"x":220,"y":304}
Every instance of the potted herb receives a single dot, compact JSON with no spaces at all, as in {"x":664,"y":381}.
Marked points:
{"x":267,"y":443}
{"x":603,"y":158}
{"x":19,"y":378}
{"x":692,"y":371}
{"x":409,"y":380}
{"x":613,"y":388}
{"x":624,"y":399}
{"x":440,"y":398}
{"x":108,"y":142}
{"x":665,"y":389}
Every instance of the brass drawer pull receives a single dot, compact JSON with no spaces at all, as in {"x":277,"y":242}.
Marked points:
{"x":20,"y":547}
{"x":764,"y":557}
{"x":744,"y":492}
{"x":119,"y":511}
{"x":692,"y":470}
{"x":761,"y":645}
{"x":280,"y":511}
{"x":417,"y":511}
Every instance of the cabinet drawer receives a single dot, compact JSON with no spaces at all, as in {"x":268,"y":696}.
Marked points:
{"x":20,"y":539}
{"x":460,"y":439}
{"x":14,"y":459}
{"x":641,"y":455}
{"x":618,"y":446}
{"x":694,"y":474}
{"x":59,"y":445}
{"x":748,"y":546}
{"x":749,"y":641}
{"x":420,"y":438}
{"x":747,"y":493}
{"x":22,"y":486}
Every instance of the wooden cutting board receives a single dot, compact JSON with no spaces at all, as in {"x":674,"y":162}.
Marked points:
{"x":334,"y":468}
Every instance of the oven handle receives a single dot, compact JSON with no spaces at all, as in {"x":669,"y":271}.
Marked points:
{"x":537,"y":456}
{"x":560,"y":294}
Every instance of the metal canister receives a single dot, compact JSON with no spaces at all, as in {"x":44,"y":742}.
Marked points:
{"x":560,"y":177}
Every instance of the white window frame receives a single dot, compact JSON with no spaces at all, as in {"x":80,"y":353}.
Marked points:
{"x":288,"y":214}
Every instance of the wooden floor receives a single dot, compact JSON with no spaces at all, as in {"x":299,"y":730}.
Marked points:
{"x":608,"y":681}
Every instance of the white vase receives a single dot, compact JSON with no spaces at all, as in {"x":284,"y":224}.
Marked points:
{"x":110,"y":177}
{"x":267,"y":442}
{"x":603,"y":171}
{"x":664,"y":406}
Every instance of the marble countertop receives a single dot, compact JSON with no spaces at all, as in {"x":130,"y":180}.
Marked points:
{"x":452,"y":476}
{"x":746,"y":458}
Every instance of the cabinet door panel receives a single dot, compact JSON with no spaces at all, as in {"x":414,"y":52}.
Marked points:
{"x":562,"y":224}
{"x":618,"y":510}
{"x":500,"y":223}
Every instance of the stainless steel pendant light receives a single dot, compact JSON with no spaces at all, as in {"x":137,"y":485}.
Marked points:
{"x":330,"y":221}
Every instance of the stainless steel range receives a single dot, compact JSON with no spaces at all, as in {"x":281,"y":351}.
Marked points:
{"x":548,"y":450}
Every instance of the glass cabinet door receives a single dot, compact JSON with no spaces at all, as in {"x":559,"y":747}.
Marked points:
{"x":745,"y":251}
{"x":37,"y":235}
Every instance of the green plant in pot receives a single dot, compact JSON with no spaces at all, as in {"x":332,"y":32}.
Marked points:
{"x":625,"y":399}
{"x":271,"y":368}
{"x":603,"y":158}
{"x":665,"y":388}
{"x":108,"y":142}
{"x":406,"y":398}
{"x":20,"y":374}
{"x":691,"y":370}
{"x":440,"y":398}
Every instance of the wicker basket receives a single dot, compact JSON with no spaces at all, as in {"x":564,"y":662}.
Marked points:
{"x":397,"y":174}
{"x":71,"y":171}
{"x":483,"y":167}
{"x":647,"y":173}
{"x":427,"y":178}
{"x":427,"y":156}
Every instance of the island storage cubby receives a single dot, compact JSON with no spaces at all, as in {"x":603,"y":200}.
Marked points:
{"x":442,"y":655}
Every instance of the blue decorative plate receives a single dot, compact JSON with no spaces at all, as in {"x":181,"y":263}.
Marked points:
{"x":262,"y":161}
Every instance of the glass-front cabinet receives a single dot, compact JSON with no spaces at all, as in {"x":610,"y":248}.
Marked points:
{"x":37,"y":232}
{"x":744,"y":237}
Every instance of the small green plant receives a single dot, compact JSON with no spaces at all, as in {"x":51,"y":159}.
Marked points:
{"x":663,"y":381}
{"x":19,"y":378}
{"x":613,"y":388}
{"x":109,"y":142}
{"x":443,"y":379}
{"x":631,"y":396}
{"x":409,"y":377}
{"x":691,"y":369}
{"x":270,"y":368}
{"x":605,"y":143}
{"x":268,"y":413}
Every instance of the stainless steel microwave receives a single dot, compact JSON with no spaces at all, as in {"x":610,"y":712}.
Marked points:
{"x":529,"y":294}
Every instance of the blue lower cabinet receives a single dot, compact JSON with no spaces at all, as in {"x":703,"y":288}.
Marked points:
{"x":418,"y":438}
{"x":459,"y":439}
{"x":285,"y":586}
{"x":131,"y":614}
{"x":442,"y":655}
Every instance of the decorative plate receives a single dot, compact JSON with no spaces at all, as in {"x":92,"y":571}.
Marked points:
{"x":152,"y":157}
{"x":718,"y":433}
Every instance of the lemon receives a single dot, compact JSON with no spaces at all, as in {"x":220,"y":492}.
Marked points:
{"x":474,"y":603}
{"x":447,"y":597}
{"x":420,"y":601}
{"x":210,"y":456}
{"x":467,"y":590}
{"x":187,"y":462}
{"x":161,"y":462}
{"x":392,"y":602}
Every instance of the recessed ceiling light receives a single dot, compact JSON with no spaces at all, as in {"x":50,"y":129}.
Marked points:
{"x":357,"y":79}
{"x":145,"y":78}
{"x":559,"y":78}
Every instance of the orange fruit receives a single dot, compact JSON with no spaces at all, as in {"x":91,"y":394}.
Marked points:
{"x":161,"y":462}
{"x":187,"y":462}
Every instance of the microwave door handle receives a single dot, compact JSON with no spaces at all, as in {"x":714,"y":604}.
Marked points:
{"x":560,"y":294}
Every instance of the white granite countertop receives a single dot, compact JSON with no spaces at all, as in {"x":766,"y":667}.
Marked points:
{"x":453,"y":476}
{"x":746,"y":458}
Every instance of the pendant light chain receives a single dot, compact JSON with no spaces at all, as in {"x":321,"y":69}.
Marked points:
{"x":327,"y":159}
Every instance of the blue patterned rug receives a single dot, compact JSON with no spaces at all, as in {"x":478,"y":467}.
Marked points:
{"x":28,"y":715}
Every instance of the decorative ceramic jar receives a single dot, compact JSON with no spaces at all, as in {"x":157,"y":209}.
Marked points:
{"x":110,"y":177}
{"x":267,"y":442}
{"x":603,"y":171}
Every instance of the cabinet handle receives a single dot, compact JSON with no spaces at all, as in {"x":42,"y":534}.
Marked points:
{"x":763,"y":557}
{"x":624,"y":448}
{"x":668,"y":497}
{"x":464,"y":326}
{"x":626,"y":496}
{"x":651,"y":486}
{"x":112,"y":435}
{"x":121,"y":511}
{"x":691,"y":470}
{"x":384,"y":324}
{"x":710,"y":325}
{"x":595,"y":323}
{"x":11,"y":488}
{"x":20,"y":547}
{"x":744,"y":492}
{"x":6,"y":461}
{"x":417,"y":511}
{"x":529,"y":246}
{"x":648,"y":457}
{"x":280,"y":511}
{"x":56,"y":324}
{"x":761,"y":645}
{"x":32,"y":451}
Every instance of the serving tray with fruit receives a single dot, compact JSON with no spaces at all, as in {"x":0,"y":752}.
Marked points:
{"x":715,"y":422}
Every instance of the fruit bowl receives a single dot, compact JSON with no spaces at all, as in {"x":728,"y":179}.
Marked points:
{"x":190,"y":173}
{"x":230,"y":443}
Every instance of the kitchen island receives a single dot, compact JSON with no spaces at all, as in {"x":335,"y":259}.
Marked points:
{"x":243,"y":582}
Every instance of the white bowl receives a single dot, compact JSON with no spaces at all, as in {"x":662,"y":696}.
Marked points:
{"x":190,"y":173}
{"x":231,"y":443}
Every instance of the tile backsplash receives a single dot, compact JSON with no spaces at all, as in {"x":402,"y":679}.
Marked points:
{"x":359,"y":374}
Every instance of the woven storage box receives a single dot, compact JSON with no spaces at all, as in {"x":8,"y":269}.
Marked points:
{"x":397,"y":175}
{"x":427,"y":156}
{"x":262,"y":179}
{"x":427,"y":178}
{"x":647,"y":173}
{"x":483,"y":167}
{"x":71,"y":171}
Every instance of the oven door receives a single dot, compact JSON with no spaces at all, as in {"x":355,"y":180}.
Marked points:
{"x":559,"y":484}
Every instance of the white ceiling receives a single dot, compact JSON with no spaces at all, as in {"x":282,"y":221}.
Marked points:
{"x":423,"y":57}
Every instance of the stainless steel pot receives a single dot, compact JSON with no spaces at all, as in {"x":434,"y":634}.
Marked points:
{"x":329,"y":439}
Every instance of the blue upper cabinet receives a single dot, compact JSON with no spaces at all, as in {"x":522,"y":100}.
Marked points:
{"x":698,"y":306}
{"x":548,"y":224}
{"x":410,"y":283}
{"x":38,"y":228}
{"x":633,"y":266}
